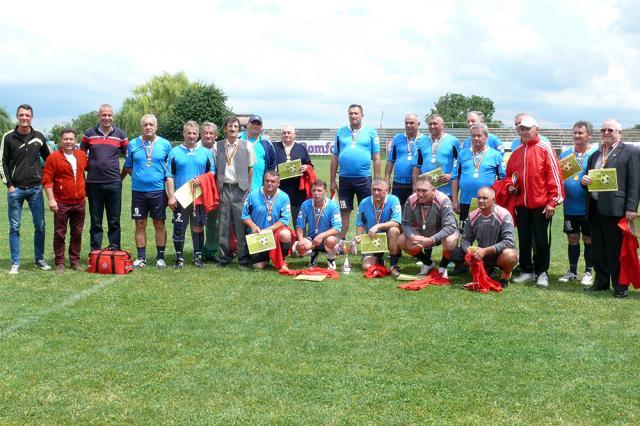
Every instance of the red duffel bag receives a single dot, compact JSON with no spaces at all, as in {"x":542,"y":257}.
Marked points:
{"x":107,"y":261}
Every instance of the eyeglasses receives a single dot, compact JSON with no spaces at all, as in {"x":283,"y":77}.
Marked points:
{"x":603,"y":131}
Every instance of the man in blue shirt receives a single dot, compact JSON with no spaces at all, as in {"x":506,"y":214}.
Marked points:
{"x":354,"y":148}
{"x":262,"y":148}
{"x":493,"y":141}
{"x":575,"y":214}
{"x":268,"y":208}
{"x":146,"y":162}
{"x":400,"y":158}
{"x":377,"y":213}
{"x":321,"y":218}
{"x":478,"y":166}
{"x":185,"y":164}
{"x":439,"y":150}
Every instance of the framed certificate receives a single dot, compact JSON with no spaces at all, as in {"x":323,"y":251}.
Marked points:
{"x":434,"y":175}
{"x":603,"y":180}
{"x":187,"y":193}
{"x":263,"y":241}
{"x":377,"y":244}
{"x":473,"y":204}
{"x":569,"y":166}
{"x":290,"y":169}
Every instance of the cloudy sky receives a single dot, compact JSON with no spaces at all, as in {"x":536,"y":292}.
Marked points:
{"x":303,"y":62}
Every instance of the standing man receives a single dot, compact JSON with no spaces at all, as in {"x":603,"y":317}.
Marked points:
{"x":575,"y":208}
{"x":538,"y":190}
{"x":605,"y":209}
{"x":104,"y":144}
{"x":263,"y":150}
{"x":146,"y":162}
{"x":516,"y":123}
{"x":234,"y":163}
{"x":185,"y":164}
{"x":478,"y":166}
{"x":493,"y":141}
{"x":209,"y":134}
{"x":354,"y":148}
{"x":400,"y":159}
{"x":22,"y":151}
{"x":439,"y":150}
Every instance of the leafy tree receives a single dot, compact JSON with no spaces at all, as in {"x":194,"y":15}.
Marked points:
{"x":79,"y":124}
{"x":453,"y":107}
{"x":6,"y":123}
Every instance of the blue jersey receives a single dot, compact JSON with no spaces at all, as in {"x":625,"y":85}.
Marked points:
{"x":354,"y":160}
{"x":328,"y":218}
{"x":255,"y":208}
{"x":261,"y":162}
{"x":391,"y":210}
{"x":184,"y":164}
{"x":399,"y":156}
{"x":575,"y":195}
{"x":490,"y":168}
{"x":493,"y":141}
{"x":148,"y":163}
{"x":516,"y":142}
{"x":446,"y":151}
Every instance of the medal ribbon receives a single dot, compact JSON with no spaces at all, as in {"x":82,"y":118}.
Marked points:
{"x":317,"y":220}
{"x":266,"y":201}
{"x":424,"y":216}
{"x":233,"y":153}
{"x":375,"y":210}
{"x":435,"y":146}
{"x":409,"y":150}
{"x":477,"y":165}
{"x":146,"y":150}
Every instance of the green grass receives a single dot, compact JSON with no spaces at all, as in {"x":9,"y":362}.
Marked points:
{"x":250,"y":346}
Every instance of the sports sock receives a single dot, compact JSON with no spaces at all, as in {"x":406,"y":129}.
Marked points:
{"x":574,"y":256}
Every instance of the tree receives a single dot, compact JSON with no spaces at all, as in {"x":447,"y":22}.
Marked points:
{"x":5,"y":121}
{"x":79,"y":124}
{"x":453,"y":107}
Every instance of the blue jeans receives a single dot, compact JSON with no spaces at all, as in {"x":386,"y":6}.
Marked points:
{"x":35,"y":200}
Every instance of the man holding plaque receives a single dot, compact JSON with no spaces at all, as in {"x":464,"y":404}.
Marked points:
{"x":438,"y":151}
{"x":321,"y":218}
{"x":537,"y":188}
{"x":608,"y":204}
{"x":288,"y":152}
{"x":573,"y":164}
{"x":428,"y":221}
{"x":268,"y":209}
{"x":146,"y":162}
{"x":380,"y":212}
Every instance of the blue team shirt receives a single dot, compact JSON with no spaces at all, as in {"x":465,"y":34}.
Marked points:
{"x":261,"y":162}
{"x":575,"y":195}
{"x":391,"y":210}
{"x":146,"y":178}
{"x":254,"y":208}
{"x":493,"y":141}
{"x":184,"y":164}
{"x":490,"y":169}
{"x":446,"y":154}
{"x":355,"y":161}
{"x":330,"y":218}
{"x":399,"y":156}
{"x":516,"y":142}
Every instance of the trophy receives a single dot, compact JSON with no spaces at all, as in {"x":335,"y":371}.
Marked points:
{"x":346,"y":266}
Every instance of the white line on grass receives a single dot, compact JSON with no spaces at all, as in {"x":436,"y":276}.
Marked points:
{"x":21,"y":323}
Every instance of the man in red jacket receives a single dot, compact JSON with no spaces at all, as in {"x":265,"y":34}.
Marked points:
{"x":63,"y":181}
{"x":538,"y":189}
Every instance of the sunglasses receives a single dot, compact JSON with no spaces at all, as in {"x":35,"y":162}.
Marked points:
{"x":603,"y":131}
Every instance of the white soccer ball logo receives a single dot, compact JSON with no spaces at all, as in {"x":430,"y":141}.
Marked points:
{"x":566,"y":167}
{"x":605,"y":179}
{"x":434,"y":179}
{"x":292,"y":168}
{"x":263,"y":241}
{"x":376,"y":242}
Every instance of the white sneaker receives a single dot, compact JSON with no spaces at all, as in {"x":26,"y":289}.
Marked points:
{"x":524,"y":277}
{"x":14,"y":269}
{"x":331,"y":264}
{"x":425,"y":269}
{"x":543,"y":280}
{"x":443,"y":272}
{"x":587,"y":279}
{"x":139,"y":263}
{"x":160,"y":264}
{"x":568,"y":276}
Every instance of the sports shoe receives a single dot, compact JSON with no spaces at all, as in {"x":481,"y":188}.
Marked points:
{"x":587,"y":279}
{"x":14,"y":269}
{"x":395,"y":271}
{"x":198,"y":262}
{"x":543,"y":280}
{"x":42,"y":265}
{"x":160,"y":264}
{"x":443,"y":272}
{"x":77,"y":267}
{"x":179,"y":263}
{"x":313,"y":260}
{"x":331,"y":264}
{"x":568,"y":276}
{"x":59,"y":269}
{"x":425,"y":269}
{"x":524,"y":277}
{"x":504,"y":282}
{"x":139,"y":263}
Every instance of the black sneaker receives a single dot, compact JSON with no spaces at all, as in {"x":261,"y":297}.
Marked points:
{"x":504,"y":282}
{"x":198,"y":262}
{"x":42,"y":265}
{"x":179,"y":263}
{"x":313,"y":260}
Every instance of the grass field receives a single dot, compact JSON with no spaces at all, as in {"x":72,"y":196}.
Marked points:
{"x":223,"y":346}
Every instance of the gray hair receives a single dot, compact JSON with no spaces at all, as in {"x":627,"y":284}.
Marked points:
{"x":586,"y":124}
{"x":148,"y":116}
{"x":379,"y":181}
{"x":480,"y":115}
{"x":210,"y":125}
{"x":190,"y":124}
{"x":480,"y":126}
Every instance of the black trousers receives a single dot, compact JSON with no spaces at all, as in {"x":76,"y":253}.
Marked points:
{"x":104,"y":196}
{"x":606,"y":242}
{"x":533,"y":228}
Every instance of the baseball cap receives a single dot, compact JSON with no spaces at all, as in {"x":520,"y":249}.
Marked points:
{"x":528,"y":122}
{"x":255,"y":118}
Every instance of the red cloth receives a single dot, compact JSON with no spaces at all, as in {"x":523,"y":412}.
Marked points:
{"x":629,"y":263}
{"x":276,"y":254}
{"x":433,"y":278}
{"x":377,"y":271}
{"x":209,"y":197}
{"x":481,"y":282}
{"x":307,"y":178}
{"x":329,"y":273}
{"x":58,"y":174}
{"x":503,"y":198}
